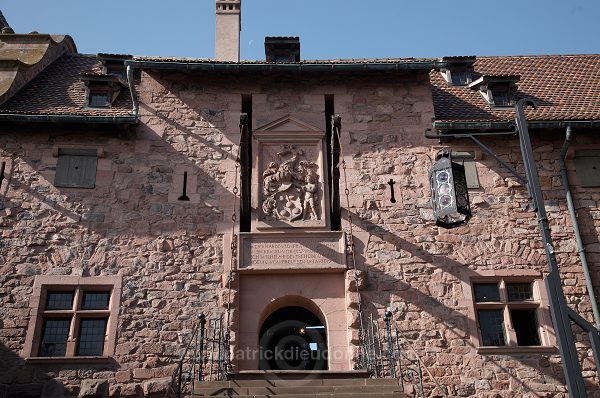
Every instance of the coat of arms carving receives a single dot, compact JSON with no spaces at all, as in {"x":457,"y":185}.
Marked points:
{"x":291,"y":187}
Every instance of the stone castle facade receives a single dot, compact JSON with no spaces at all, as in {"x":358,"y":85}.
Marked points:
{"x":106,"y":260}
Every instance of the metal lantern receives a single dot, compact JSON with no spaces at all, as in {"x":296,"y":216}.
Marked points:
{"x":449,"y":193}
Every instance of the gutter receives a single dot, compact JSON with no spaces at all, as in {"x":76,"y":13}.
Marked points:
{"x":239,"y":67}
{"x":570,"y":205}
{"x":17,"y":117}
{"x":510,"y":125}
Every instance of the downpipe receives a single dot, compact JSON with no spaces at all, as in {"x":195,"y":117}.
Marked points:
{"x":580,"y":248}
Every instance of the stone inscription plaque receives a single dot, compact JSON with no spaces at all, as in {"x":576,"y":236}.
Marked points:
{"x":292,"y":251}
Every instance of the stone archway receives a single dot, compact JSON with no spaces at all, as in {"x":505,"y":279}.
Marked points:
{"x":323,"y":295}
{"x":293,"y":338}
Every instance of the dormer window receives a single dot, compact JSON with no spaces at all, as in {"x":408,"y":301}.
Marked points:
{"x":498,"y":91}
{"x":102,"y":90}
{"x":501,"y":97}
{"x":98,"y":99}
{"x":459,"y":71}
{"x":460,"y":78}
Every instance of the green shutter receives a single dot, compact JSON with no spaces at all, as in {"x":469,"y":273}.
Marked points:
{"x":467,"y":159}
{"x":76,"y":168}
{"x":587,"y":166}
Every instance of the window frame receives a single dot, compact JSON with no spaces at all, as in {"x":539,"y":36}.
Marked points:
{"x":78,"y":285}
{"x":540,"y":303}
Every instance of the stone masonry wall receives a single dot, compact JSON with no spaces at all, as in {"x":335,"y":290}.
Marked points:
{"x":421,"y":272}
{"x":172,"y":257}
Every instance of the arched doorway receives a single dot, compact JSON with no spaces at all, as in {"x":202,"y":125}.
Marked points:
{"x":292,"y":338}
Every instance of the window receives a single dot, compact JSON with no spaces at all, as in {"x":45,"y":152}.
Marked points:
{"x":98,"y":99}
{"x":75,"y":317}
{"x":587,"y":166}
{"x":467,"y":159}
{"x":459,"y":78}
{"x":76,"y":168}
{"x":501,"y":98}
{"x":498,"y":91}
{"x":507,"y":313}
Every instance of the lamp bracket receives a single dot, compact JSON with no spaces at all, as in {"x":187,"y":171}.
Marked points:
{"x":485,"y":148}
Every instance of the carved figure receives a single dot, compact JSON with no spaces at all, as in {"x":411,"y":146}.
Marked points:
{"x":310,"y":192}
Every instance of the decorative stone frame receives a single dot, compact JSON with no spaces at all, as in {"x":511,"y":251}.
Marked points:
{"x":292,"y":132}
{"x":541,"y":302}
{"x":78,"y":284}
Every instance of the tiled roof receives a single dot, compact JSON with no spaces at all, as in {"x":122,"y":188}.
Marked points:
{"x":59,"y":90}
{"x":565,"y":87}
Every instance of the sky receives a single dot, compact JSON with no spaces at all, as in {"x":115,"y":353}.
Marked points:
{"x":328,"y":29}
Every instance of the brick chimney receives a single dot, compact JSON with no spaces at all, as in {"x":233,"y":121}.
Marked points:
{"x":227,"y":35}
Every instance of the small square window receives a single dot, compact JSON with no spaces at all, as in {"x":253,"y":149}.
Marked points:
{"x":81,"y":321}
{"x":98,"y":99}
{"x":507,"y":313}
{"x":76,"y":168}
{"x":587,"y":166}
{"x":486,"y":292}
{"x":519,"y":291}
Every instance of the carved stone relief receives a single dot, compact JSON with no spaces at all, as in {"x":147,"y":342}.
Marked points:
{"x":291,"y":187}
{"x":289,"y":180}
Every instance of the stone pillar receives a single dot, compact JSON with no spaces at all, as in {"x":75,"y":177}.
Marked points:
{"x":228,"y":27}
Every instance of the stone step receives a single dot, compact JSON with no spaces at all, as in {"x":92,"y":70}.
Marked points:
{"x":304,"y":384}
{"x":277,"y":382}
{"x":305,"y":389}
{"x":342,"y":395}
{"x":299,"y":375}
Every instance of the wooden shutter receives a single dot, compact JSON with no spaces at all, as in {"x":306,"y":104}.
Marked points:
{"x":76,"y":168}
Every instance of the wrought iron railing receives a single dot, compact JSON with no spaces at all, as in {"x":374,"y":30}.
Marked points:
{"x":204,"y":358}
{"x":388,"y":354}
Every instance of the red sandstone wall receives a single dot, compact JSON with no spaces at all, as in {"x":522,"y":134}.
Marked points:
{"x":170,"y":255}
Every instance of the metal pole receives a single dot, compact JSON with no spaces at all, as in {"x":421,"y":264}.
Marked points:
{"x":558,"y":304}
{"x":201,"y":355}
{"x":387,"y":317}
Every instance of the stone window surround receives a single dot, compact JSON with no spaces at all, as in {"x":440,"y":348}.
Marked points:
{"x":41,"y":285}
{"x":546,"y":331}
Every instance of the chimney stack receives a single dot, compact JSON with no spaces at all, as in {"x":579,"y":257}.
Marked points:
{"x":228,"y":27}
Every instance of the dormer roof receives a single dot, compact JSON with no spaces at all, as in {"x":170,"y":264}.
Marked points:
{"x":565,"y":88}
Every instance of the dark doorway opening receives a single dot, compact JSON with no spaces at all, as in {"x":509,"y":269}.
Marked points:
{"x":293,"y":338}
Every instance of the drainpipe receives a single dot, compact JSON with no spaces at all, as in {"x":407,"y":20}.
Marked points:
{"x":580,"y":248}
{"x":131,"y":82}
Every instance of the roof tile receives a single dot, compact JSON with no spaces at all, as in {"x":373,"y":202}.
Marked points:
{"x":565,"y":87}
